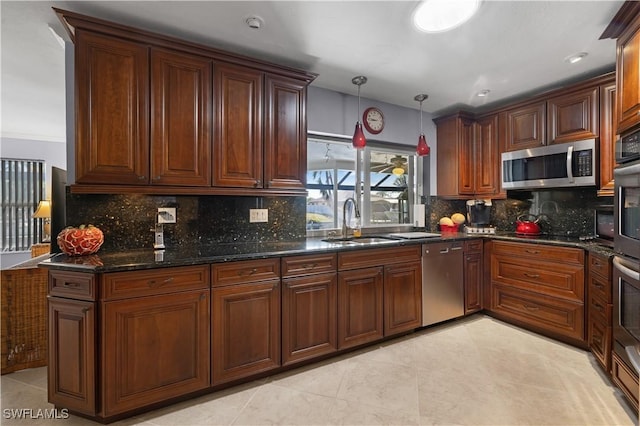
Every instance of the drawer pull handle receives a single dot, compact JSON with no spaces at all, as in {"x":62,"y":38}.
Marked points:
{"x":532,"y":251}
{"x":597,"y":264}
{"x":70,"y":285}
{"x":155,"y":284}
{"x":598,"y":307}
{"x":598,"y":286}
{"x":310,"y":265}
{"x":531,"y":275}
{"x":531,"y":308}
{"x":597,"y":340}
{"x":245,"y":272}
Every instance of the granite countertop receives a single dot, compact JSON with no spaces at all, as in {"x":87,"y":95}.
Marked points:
{"x":111,"y":261}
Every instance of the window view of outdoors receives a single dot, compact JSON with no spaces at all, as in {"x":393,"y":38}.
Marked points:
{"x":388,"y":186}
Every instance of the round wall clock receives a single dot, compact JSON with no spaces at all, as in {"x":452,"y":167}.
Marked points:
{"x":373,"y":120}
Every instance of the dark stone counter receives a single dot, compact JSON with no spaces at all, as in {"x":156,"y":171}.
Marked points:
{"x":127,"y":260}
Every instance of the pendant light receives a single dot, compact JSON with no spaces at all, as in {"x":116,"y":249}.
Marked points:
{"x":359,"y":141}
{"x":422,"y":149}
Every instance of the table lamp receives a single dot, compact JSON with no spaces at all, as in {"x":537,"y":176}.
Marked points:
{"x":44,"y":212}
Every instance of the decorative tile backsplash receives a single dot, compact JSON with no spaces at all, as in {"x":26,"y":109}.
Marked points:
{"x":128,"y":220}
{"x":561,"y":211}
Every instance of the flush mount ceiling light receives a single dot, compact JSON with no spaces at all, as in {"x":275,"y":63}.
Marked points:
{"x":434,"y":16}
{"x":572,"y":59}
{"x":483,"y":93}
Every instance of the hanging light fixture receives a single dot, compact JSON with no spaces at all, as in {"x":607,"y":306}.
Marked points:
{"x":422,"y":148}
{"x":398,"y":171}
{"x":359,"y":141}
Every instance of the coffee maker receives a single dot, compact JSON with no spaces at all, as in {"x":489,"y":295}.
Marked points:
{"x":479,"y":217}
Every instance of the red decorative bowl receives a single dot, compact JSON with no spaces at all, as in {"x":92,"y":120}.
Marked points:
{"x":80,"y":241}
{"x":449,"y":228}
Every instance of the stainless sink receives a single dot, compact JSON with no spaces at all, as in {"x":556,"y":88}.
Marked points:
{"x":359,"y":240}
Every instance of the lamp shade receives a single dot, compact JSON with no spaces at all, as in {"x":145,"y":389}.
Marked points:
{"x":43,"y":211}
{"x":422,"y":148}
{"x":358,"y":140}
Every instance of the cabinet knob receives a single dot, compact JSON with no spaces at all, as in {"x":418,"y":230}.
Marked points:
{"x":142,"y":177}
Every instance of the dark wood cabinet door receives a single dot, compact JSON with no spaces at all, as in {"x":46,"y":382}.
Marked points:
{"x":246,"y":330}
{"x":467,"y":158}
{"x":573,"y":116}
{"x":628,"y":77}
{"x":180,"y":118}
{"x":402,"y":297}
{"x":285,"y":143}
{"x":309,"y":316}
{"x":608,"y":136}
{"x":526,"y":127}
{"x":72,"y":355}
{"x":360,"y":306}
{"x":237,"y":146}
{"x":112,"y":110}
{"x":158,"y":349}
{"x":472,"y":282}
{"x":487,"y":157}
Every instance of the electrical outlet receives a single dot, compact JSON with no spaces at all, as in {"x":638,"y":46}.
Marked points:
{"x":166,"y":215}
{"x":258,"y":215}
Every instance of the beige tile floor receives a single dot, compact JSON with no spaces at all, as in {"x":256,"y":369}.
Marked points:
{"x":474,"y":371}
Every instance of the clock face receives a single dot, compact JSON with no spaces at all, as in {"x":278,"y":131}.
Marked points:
{"x":373,"y":120}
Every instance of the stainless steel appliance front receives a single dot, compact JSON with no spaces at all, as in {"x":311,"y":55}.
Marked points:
{"x":626,"y":311}
{"x":552,"y":166}
{"x":442,"y":282}
{"x":627,"y":210}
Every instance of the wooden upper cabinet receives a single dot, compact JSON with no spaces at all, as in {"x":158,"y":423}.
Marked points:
{"x":628,"y":77}
{"x":608,"y":123}
{"x":466,"y":158}
{"x":526,"y":126}
{"x":487,"y":156}
{"x":237,"y":153}
{"x":285,"y":156}
{"x":180,"y":119}
{"x":573,"y":116}
{"x":112,"y":110}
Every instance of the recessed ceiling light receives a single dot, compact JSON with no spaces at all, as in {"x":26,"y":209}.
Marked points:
{"x":434,"y":16}
{"x":483,"y":93}
{"x":254,"y":22}
{"x":572,"y":59}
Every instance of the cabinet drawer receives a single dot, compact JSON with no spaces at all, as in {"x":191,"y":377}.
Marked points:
{"x":599,"y":334}
{"x":72,"y":285}
{"x":600,"y":287}
{"x":245,"y":271}
{"x":544,"y":312}
{"x":378,"y":257}
{"x":473,"y":246}
{"x":625,"y":380}
{"x":120,"y":285}
{"x":599,"y":265}
{"x":539,"y":251}
{"x":550,"y":278}
{"x":304,"y":265}
{"x":598,"y":306}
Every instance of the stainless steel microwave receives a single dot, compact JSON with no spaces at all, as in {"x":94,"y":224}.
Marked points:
{"x":553,"y":166}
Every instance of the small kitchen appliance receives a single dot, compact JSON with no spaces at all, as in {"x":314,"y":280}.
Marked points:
{"x":628,"y":148}
{"x":479,"y":217}
{"x":527,"y":224}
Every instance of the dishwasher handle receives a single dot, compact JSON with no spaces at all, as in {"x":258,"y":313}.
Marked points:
{"x":446,"y":249}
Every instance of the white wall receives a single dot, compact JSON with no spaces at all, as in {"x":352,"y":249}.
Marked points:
{"x":54,"y":154}
{"x":334,"y":112}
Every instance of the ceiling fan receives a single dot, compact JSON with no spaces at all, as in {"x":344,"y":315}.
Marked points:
{"x":394,"y":165}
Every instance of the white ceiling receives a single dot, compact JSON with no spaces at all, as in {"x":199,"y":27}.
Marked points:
{"x":509,"y":47}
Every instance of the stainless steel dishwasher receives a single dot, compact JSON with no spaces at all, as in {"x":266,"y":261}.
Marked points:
{"x":442,"y":282}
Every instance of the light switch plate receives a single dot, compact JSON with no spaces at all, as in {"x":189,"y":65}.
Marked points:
{"x":258,"y":215}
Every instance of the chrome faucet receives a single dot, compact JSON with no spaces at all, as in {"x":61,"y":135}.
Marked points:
{"x":344,"y":214}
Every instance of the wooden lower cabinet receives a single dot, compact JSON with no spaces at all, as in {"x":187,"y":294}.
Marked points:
{"x":72,"y":355}
{"x":402,"y":297}
{"x":245,"y":330}
{"x":158,"y":349}
{"x":540,"y":286}
{"x":360,"y":307}
{"x":600,"y":309}
{"x":309,"y":316}
{"x":472,"y":276}
{"x":626,"y":380}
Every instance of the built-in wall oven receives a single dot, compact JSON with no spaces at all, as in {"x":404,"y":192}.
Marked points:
{"x":626,"y":264}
